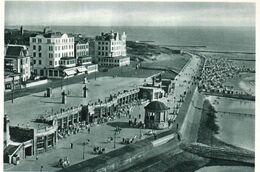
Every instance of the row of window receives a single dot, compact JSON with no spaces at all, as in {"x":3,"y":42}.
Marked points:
{"x":39,"y":47}
{"x":82,"y":47}
{"x":113,"y":42}
{"x":39,"y":40}
{"x":103,"y":53}
{"x":103,"y":48}
{"x":39,"y":54}
{"x":103,"y":43}
{"x":82,"y":53}
{"x":66,"y":54}
{"x":67,"y":62}
{"x":117,"y":43}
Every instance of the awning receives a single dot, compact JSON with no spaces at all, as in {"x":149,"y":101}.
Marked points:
{"x":81,"y":69}
{"x":70,"y":72}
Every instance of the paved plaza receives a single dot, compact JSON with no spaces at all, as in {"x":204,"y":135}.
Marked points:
{"x":29,"y":107}
{"x":35,"y":104}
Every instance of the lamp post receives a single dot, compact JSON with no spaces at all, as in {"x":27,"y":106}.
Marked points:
{"x":140,"y":132}
{"x":95,"y":72}
{"x":115,"y":139}
{"x":13,"y":89}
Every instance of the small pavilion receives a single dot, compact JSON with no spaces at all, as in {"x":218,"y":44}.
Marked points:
{"x":156,"y":115}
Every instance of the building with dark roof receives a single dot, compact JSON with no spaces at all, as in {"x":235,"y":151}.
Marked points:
{"x":17,"y":61}
{"x":156,"y":115}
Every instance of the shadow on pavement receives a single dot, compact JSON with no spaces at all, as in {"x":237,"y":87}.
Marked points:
{"x":37,"y":96}
{"x":52,"y":102}
{"x":76,"y":96}
{"x":120,"y":125}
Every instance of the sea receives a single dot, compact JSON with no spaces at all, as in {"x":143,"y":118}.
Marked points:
{"x":213,"y":37}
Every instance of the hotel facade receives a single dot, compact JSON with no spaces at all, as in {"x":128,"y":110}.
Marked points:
{"x":110,"y":49}
{"x":54,"y":56}
{"x":47,"y":50}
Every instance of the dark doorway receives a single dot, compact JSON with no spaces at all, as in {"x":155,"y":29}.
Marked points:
{"x":28,"y":151}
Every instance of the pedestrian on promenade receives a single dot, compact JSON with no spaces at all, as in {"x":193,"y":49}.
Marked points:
{"x":177,"y":126}
{"x":88,"y":130}
{"x":179,"y":137}
{"x":71,"y":145}
{"x":139,"y":116}
{"x":155,"y":136}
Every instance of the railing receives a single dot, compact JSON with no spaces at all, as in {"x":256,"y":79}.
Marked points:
{"x":46,"y":129}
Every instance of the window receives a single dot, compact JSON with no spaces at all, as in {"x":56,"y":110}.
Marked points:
{"x":106,"y":53}
{"x":50,"y":72}
{"x":50,"y":55}
{"x":40,"y":62}
{"x":50,"y":48}
{"x":40,"y":48}
{"x":55,"y":73}
{"x":34,"y":61}
{"x":99,"y":53}
{"x":50,"y":62}
{"x":34,"y":47}
{"x":68,"y":62}
{"x":34,"y":54}
{"x":40,"y":54}
{"x":33,"y":40}
{"x":102,"y":53}
{"x":98,"y":47}
{"x":39,"y":40}
{"x":102,"y":48}
{"x":55,"y":63}
{"x":48,"y":41}
{"x":41,"y":72}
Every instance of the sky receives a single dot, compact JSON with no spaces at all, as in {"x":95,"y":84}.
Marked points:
{"x":129,"y":13}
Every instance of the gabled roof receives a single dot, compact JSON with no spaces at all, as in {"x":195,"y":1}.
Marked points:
{"x":16,"y":51}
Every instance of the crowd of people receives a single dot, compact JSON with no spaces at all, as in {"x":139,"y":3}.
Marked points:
{"x":216,"y":72}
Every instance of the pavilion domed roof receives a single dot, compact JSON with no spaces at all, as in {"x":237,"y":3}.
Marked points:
{"x":156,"y":106}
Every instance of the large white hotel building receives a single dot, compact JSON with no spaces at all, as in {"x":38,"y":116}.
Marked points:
{"x":48,"y":49}
{"x":110,"y":49}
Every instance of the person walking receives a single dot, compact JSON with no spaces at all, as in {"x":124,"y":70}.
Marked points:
{"x":88,"y":130}
{"x":71,"y":145}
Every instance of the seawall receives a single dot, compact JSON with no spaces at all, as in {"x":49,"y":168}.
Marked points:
{"x":190,"y":127}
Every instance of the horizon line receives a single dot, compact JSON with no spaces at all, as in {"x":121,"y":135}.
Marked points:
{"x":138,"y":25}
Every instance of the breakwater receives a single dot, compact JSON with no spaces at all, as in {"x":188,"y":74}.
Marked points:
{"x":235,"y":96}
{"x":221,"y":52}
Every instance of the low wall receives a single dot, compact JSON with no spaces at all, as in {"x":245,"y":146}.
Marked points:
{"x":32,"y":84}
{"x":235,"y":96}
{"x":124,"y":157}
